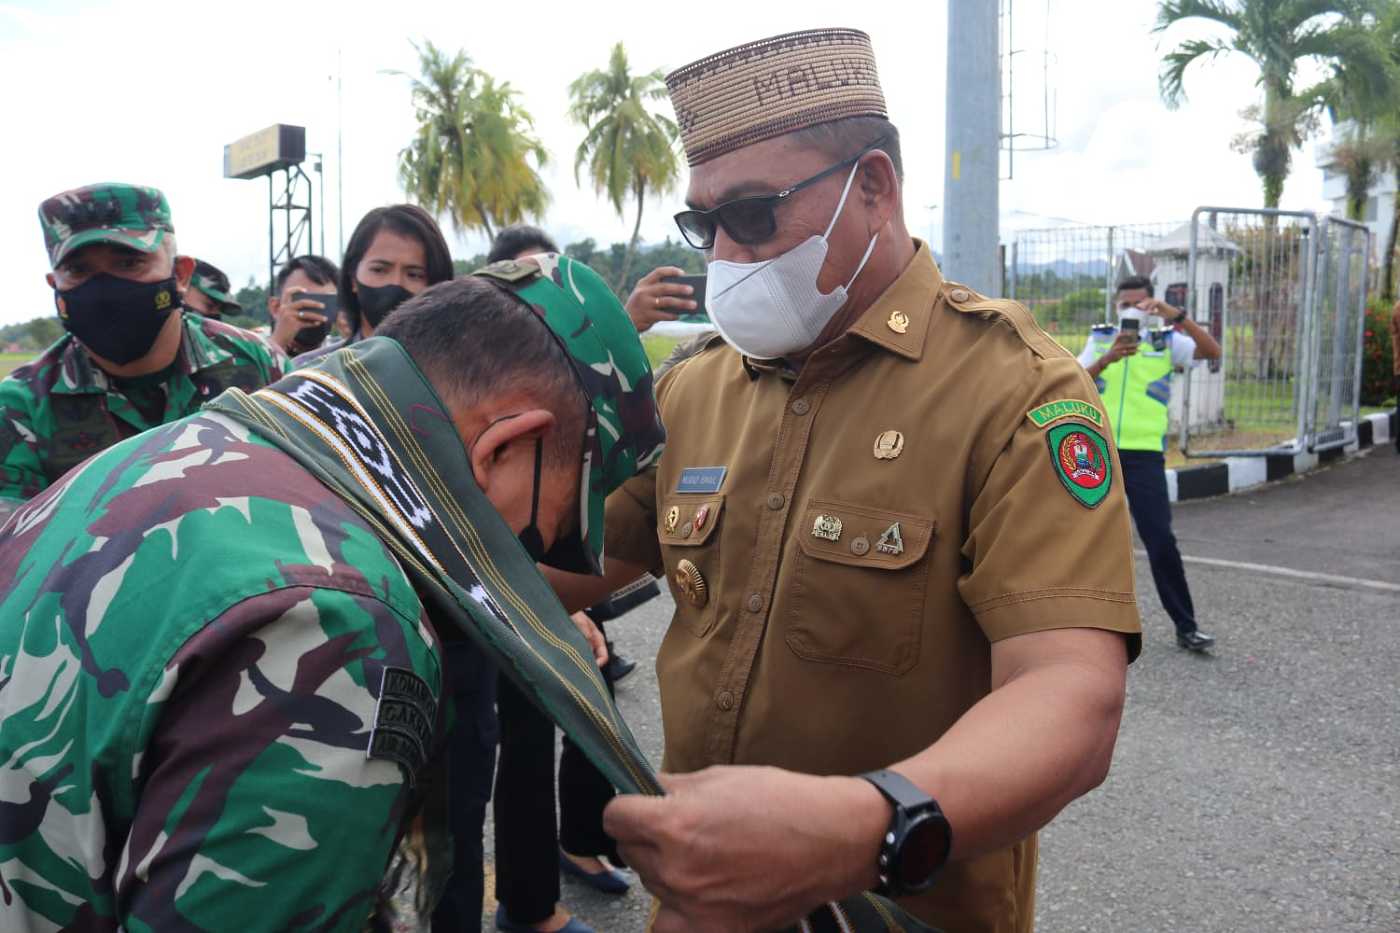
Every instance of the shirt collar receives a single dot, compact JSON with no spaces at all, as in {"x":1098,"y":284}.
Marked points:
{"x":900,"y":319}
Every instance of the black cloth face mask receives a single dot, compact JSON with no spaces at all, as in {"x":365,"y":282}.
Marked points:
{"x":530,"y":538}
{"x":312,"y":335}
{"x":376,"y":301}
{"x":116,"y":318}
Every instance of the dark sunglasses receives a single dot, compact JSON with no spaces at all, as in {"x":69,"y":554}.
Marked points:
{"x":752,"y":220}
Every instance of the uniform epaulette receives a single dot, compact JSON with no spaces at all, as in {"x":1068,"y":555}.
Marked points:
{"x":963,"y":299}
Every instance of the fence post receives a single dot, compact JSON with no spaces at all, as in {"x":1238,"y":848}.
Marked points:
{"x":1015,"y":251}
{"x":1108,"y":281}
{"x":1361,"y":337}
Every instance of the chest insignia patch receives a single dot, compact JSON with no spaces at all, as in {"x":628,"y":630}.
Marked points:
{"x":827,"y":527}
{"x":889,"y":445}
{"x":891,"y":542}
{"x":702,"y":480}
{"x":1079,"y":456}
{"x":403,"y":721}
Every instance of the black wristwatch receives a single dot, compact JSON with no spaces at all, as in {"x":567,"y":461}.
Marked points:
{"x":918,"y":841}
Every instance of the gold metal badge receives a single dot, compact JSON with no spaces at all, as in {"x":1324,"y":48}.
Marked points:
{"x":673,"y":518}
{"x":702,"y":515}
{"x":162,"y":299}
{"x":891,"y":542}
{"x":827,"y":527}
{"x":898,"y":322}
{"x":889,"y":445}
{"x":692,"y":584}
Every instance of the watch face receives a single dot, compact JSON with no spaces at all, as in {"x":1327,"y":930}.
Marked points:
{"x":923,"y":852}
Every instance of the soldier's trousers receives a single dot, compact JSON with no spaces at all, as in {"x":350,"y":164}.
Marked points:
{"x":1145,"y":482}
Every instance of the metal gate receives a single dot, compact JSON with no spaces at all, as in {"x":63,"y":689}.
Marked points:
{"x":1285,"y":293}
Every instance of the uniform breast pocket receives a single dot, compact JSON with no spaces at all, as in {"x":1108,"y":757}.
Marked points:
{"x":859,"y":586}
{"x":688,"y":528}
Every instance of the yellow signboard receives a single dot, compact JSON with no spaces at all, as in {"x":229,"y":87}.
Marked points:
{"x":265,"y":151}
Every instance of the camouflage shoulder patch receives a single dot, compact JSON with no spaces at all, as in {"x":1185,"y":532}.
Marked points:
{"x":403,"y":721}
{"x":1050,"y":412}
{"x":510,"y":270}
{"x":1079,"y":456}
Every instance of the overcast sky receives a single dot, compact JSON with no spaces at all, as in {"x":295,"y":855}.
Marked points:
{"x":151,"y":92}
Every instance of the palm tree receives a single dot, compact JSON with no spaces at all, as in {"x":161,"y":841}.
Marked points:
{"x":1277,"y":35}
{"x":472,"y":156}
{"x":629,"y":149}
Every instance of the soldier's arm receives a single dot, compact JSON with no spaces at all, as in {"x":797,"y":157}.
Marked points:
{"x":261,"y":806}
{"x":630,"y":546}
{"x":21,"y":470}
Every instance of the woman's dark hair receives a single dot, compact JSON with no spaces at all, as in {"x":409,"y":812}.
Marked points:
{"x":318,"y":269}
{"x":406,"y":220}
{"x":516,"y":239}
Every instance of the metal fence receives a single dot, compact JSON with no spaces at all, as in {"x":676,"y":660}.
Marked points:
{"x":1283,"y":292}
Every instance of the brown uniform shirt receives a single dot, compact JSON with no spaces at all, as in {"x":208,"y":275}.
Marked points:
{"x":822,"y":641}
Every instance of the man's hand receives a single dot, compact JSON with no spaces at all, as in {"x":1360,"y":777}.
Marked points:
{"x":301,"y":311}
{"x":654,"y":300}
{"x":595,"y":638}
{"x":1124,"y":345}
{"x":744,"y":848}
{"x":1163,"y":310}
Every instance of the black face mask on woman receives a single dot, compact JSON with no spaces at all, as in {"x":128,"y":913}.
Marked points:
{"x":376,"y":301}
{"x":116,"y":318}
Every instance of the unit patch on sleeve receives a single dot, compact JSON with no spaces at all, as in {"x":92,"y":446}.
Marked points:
{"x":1049,"y":413}
{"x":1079,"y":456}
{"x":403,"y":721}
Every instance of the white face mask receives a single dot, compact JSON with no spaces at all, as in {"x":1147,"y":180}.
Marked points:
{"x":770,"y":309}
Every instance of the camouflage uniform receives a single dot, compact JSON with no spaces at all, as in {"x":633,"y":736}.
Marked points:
{"x":60,"y":408}
{"x":199,"y":643}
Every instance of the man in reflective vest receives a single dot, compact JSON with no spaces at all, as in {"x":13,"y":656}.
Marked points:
{"x":1133,"y":365}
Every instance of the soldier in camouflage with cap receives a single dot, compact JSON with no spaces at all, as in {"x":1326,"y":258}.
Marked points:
{"x":244,"y":750}
{"x":209,"y":292}
{"x":131,"y":359}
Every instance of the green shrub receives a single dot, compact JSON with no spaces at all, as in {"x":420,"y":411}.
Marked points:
{"x":1377,"y":355}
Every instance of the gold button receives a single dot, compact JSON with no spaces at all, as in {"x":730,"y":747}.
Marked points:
{"x":960,"y":294}
{"x":755,"y":603}
{"x":801,"y":407}
{"x":725,"y":700}
{"x":776,"y":501}
{"x":691,"y":584}
{"x":860,"y":546}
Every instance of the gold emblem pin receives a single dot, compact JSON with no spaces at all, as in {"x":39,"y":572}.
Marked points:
{"x":891,"y":542}
{"x":702,"y":515}
{"x":889,"y":445}
{"x":691,"y":584}
{"x":898,"y":322}
{"x":673,"y":518}
{"x":827,"y":527}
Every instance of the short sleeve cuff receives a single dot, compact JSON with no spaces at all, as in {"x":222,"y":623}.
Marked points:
{"x":1045,"y":610}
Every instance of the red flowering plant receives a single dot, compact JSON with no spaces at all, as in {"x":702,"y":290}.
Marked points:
{"x":1377,"y":355}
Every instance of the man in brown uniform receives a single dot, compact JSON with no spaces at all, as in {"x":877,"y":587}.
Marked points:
{"x":892,"y":521}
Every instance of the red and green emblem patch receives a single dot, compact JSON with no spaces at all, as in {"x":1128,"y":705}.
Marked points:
{"x":1079,"y":455}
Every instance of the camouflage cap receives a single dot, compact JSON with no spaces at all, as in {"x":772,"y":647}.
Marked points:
{"x":625,"y":435}
{"x":109,"y":212}
{"x":212,"y":281}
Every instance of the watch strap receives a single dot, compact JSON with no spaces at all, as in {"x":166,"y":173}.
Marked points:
{"x":897,"y":789}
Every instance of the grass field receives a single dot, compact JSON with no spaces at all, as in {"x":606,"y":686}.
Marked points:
{"x":9,"y":361}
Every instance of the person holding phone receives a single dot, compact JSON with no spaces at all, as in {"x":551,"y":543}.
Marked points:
{"x":655,"y":299}
{"x":304,"y":302}
{"x":1133,"y":365}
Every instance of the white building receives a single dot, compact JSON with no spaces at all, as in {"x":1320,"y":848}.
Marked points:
{"x":1380,"y":201}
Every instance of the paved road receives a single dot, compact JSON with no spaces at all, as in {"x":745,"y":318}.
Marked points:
{"x":1257,"y":789}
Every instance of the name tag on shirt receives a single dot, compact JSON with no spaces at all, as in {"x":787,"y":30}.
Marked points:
{"x":702,"y":479}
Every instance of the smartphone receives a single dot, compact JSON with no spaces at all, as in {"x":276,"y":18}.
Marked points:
{"x":331,"y":300}
{"x":696,"y":282}
{"x":1131,"y":325}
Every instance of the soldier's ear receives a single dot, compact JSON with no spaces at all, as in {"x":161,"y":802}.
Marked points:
{"x":184,"y":271}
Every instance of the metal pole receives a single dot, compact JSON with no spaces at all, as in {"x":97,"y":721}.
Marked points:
{"x":1361,"y":339}
{"x":271,"y":235}
{"x":1108,"y":281}
{"x":1015,"y":254}
{"x":1191,"y":263}
{"x":340,"y":152}
{"x":971,"y":174}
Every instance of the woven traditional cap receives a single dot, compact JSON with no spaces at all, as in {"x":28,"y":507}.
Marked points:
{"x":774,"y":86}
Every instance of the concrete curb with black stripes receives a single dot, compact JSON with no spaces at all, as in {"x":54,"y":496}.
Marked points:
{"x":1237,"y":473}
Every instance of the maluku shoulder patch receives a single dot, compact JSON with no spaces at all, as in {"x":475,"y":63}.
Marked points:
{"x":404,"y":721}
{"x":1059,"y":410}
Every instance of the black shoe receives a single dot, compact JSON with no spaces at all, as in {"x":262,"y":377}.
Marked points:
{"x":617,"y":667}
{"x":1194,"y":640}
